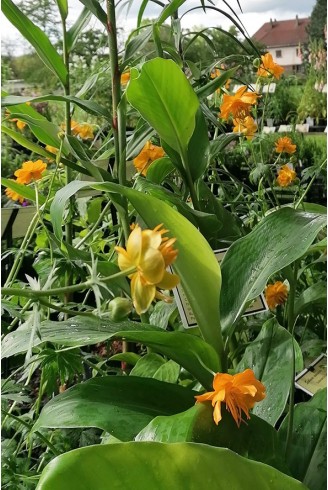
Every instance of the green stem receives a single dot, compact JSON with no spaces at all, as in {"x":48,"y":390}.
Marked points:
{"x":291,"y":322}
{"x":95,"y":226}
{"x":67,"y":311}
{"x":29,"y":426}
{"x":190,"y":184}
{"x":308,"y":187}
{"x":35,"y":294}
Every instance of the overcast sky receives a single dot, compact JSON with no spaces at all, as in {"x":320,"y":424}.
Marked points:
{"x":255,"y":13}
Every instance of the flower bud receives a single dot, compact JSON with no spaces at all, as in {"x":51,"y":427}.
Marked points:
{"x":119,"y":308}
{"x":257,"y":62}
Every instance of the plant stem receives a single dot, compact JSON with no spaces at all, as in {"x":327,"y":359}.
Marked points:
{"x":95,"y":226}
{"x":300,"y":201}
{"x":190,"y":184}
{"x":291,"y":322}
{"x":35,"y":294}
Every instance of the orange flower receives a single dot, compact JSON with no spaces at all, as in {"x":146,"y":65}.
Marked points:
{"x":125,"y":78}
{"x":83,"y":130}
{"x":239,"y":392}
{"x":269,"y":68}
{"x":286,"y":176}
{"x":30,"y":171}
{"x":276,"y":294}
{"x":216,"y":73}
{"x":145,"y":252}
{"x":246,"y":126}
{"x":239,"y":104}
{"x":14,"y":195}
{"x":147,"y":156}
{"x":285,"y":145}
{"x":52,"y":149}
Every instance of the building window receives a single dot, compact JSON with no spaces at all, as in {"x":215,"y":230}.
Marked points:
{"x":278,"y":53}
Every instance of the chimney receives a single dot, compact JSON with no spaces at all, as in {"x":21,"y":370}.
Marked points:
{"x":297,"y":21}
{"x":271,"y":22}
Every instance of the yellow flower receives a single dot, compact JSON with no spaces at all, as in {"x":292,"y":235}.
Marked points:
{"x":14,"y":195}
{"x":30,"y":171}
{"x":147,"y":156}
{"x":239,"y":392}
{"x":286,"y":176}
{"x":125,"y":78}
{"x":83,"y":130}
{"x":276,"y":294}
{"x":269,"y":68}
{"x":149,"y":253}
{"x":246,"y":126}
{"x":239,"y":104}
{"x":285,"y":145}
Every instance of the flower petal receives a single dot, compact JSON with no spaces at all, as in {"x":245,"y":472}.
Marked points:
{"x":152,"y":266}
{"x":142,"y":293}
{"x":168,"y":281}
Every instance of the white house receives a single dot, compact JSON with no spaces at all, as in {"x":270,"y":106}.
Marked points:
{"x":283,"y":39}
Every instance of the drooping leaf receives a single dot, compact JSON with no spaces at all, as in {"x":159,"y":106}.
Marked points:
{"x":215,"y":84}
{"x":159,"y":170}
{"x":95,"y":7}
{"x":315,"y":294}
{"x":278,"y":240}
{"x":121,"y":405}
{"x":26,"y":143}
{"x":270,"y":356}
{"x":37,"y":38}
{"x":165,"y":98}
{"x":169,"y":10}
{"x":255,"y":439}
{"x":307,"y":457}
{"x":150,"y":465}
{"x":22,"y":190}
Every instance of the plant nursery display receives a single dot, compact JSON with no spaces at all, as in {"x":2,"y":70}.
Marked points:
{"x":164,"y":307}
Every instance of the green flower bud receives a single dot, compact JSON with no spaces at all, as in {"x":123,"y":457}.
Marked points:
{"x":119,"y":308}
{"x":257,"y":62}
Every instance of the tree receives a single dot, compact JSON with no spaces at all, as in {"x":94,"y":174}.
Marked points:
{"x":44,"y":14}
{"x":318,"y":22}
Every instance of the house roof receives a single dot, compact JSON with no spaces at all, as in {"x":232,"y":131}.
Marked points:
{"x":283,"y":32}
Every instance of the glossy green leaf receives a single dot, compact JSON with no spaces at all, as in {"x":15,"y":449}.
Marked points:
{"x":255,"y":439}
{"x":199,"y":272}
{"x":168,"y":373}
{"x":278,"y":240}
{"x":270,"y":356}
{"x":121,"y":405}
{"x":44,"y":130}
{"x":95,"y":7}
{"x":169,"y":10}
{"x":315,"y":294}
{"x":165,"y":98}
{"x":87,"y":105}
{"x":195,"y":355}
{"x":37,"y":38}
{"x":147,"y":365}
{"x":159,"y":170}
{"x":26,"y":143}
{"x":63,"y":8}
{"x":77,"y":331}
{"x":74,"y":32}
{"x":307,"y":457}
{"x":152,"y":465}
{"x":23,"y":190}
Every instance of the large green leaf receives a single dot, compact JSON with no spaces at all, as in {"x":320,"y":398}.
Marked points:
{"x":159,"y":170}
{"x":278,"y":240}
{"x":270,"y":356}
{"x":46,"y":131}
{"x":77,"y":331}
{"x":121,"y":405}
{"x":315,"y":294}
{"x":153,"y":465}
{"x":87,"y":105}
{"x":37,"y":38}
{"x":199,"y":272}
{"x":255,"y":439}
{"x":195,"y":355}
{"x":307,"y":457}
{"x":165,"y":98}
{"x":23,"y":190}
{"x":26,"y":143}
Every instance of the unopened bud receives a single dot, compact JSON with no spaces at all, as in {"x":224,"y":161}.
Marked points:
{"x":119,"y":308}
{"x":257,"y":62}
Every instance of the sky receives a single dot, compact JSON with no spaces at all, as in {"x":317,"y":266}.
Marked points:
{"x":255,"y":14}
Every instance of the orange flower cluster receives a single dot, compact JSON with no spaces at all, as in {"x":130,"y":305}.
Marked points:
{"x":276,"y":294}
{"x":268,"y":68}
{"x":286,"y":176}
{"x":239,"y":106}
{"x":285,"y":145}
{"x":150,"y":254}
{"x":239,"y":392}
{"x":147,"y":156}
{"x":30,"y":171}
